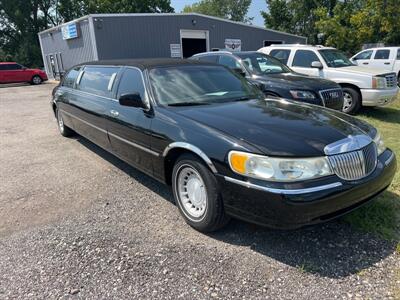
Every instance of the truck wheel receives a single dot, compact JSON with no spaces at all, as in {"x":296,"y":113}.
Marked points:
{"x":36,"y":80}
{"x":197,"y":195}
{"x":351,"y":101}
{"x":64,"y":130}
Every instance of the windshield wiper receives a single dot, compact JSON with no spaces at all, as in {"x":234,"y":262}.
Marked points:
{"x":187,"y":103}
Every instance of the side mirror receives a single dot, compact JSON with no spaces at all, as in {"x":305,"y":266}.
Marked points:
{"x":239,"y":71}
{"x":316,"y":64}
{"x":132,"y":100}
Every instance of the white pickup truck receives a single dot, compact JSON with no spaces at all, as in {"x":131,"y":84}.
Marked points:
{"x":387,"y":58}
{"x":361,"y":85}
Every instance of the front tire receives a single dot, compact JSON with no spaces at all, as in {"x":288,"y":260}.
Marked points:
{"x":36,"y":80}
{"x":64,"y":130}
{"x":351,"y":101}
{"x":197,"y":194}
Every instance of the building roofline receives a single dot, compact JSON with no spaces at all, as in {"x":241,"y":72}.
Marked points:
{"x":167,"y":14}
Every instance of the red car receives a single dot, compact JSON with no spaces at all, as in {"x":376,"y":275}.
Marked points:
{"x":11,"y":72}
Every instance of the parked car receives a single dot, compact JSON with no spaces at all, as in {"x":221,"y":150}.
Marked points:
{"x":277,"y":80}
{"x":11,"y":72}
{"x":387,"y":58}
{"x":224,"y":148}
{"x":361,"y":86}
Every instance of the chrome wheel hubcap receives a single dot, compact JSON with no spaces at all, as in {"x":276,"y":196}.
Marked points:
{"x":348,"y":101}
{"x":192,"y":192}
{"x":36,"y":80}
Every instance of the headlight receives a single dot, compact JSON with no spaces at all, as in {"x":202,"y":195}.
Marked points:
{"x":302,"y":95}
{"x":378,"y":82}
{"x":278,"y":169}
{"x":380,"y":145}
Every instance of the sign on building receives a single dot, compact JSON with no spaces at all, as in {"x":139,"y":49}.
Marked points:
{"x":233,"y":44}
{"x":69,"y":31}
{"x":175,"y":50}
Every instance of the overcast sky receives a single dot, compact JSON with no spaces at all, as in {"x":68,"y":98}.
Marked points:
{"x":254,"y":10}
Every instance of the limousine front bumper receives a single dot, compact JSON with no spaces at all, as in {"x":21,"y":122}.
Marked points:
{"x":304,"y":204}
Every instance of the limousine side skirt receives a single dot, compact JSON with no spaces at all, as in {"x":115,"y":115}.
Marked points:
{"x":113,"y":135}
{"x":193,"y":149}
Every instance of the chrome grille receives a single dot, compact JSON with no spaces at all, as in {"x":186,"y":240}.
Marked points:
{"x":391,"y":80}
{"x":356,"y":164}
{"x":331,"y":97}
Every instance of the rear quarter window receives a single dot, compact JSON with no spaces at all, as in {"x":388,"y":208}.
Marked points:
{"x":70,"y":77}
{"x":98,"y":80}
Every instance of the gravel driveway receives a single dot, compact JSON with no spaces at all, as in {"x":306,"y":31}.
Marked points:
{"x":77,"y":223}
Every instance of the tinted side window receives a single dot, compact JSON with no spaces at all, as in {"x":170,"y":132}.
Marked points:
{"x":398,"y":54}
{"x":229,"y":62}
{"x":97,"y":80}
{"x":364,"y":55}
{"x":209,"y":58}
{"x":131,"y":82}
{"x":10,"y":67}
{"x":70,"y":78}
{"x":282,"y":55}
{"x":4,"y":67}
{"x":304,"y":58}
{"x":382,"y":54}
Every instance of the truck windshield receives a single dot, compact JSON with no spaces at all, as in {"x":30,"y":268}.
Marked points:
{"x":198,"y":85}
{"x":335,"y":58}
{"x":261,"y":64}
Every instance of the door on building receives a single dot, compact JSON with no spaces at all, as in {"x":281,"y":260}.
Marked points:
{"x":193,"y":42}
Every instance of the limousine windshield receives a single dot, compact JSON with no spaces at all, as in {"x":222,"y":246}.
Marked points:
{"x":196,"y":85}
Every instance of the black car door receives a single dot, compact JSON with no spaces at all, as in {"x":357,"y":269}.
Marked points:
{"x":91,"y":100}
{"x":129,"y":127}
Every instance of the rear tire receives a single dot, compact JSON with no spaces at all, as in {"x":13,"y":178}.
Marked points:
{"x":352,"y":100}
{"x":197,"y":194}
{"x":36,"y":80}
{"x":64,"y":130}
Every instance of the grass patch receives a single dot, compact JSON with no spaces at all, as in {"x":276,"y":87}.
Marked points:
{"x":382,"y":217}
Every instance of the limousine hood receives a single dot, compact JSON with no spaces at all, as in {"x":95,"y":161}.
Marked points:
{"x":278,"y":127}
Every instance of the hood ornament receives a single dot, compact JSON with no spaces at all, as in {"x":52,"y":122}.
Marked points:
{"x":351,"y":143}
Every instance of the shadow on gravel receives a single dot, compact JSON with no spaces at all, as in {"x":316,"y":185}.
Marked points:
{"x":332,"y":250}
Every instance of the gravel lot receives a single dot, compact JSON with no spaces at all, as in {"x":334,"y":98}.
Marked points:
{"x":77,"y":223}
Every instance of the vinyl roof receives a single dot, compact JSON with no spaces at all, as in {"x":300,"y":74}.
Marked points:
{"x":146,"y":63}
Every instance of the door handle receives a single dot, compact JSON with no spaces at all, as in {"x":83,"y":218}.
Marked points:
{"x":387,"y":63}
{"x":114,"y":113}
{"x":365,"y":63}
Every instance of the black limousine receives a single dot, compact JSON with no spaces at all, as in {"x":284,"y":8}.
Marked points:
{"x":276,"y":79}
{"x":225,"y":149}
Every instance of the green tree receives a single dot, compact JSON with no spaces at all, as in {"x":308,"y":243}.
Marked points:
{"x":378,"y":21}
{"x":72,"y":9}
{"x":354,"y":23}
{"x":296,"y":16}
{"x":235,"y":10}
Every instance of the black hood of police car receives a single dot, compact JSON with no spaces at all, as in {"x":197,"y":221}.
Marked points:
{"x":278,"y":127}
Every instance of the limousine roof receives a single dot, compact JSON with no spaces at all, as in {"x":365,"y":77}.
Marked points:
{"x":146,"y":63}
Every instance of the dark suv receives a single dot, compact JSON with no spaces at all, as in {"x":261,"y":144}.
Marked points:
{"x":277,"y":80}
